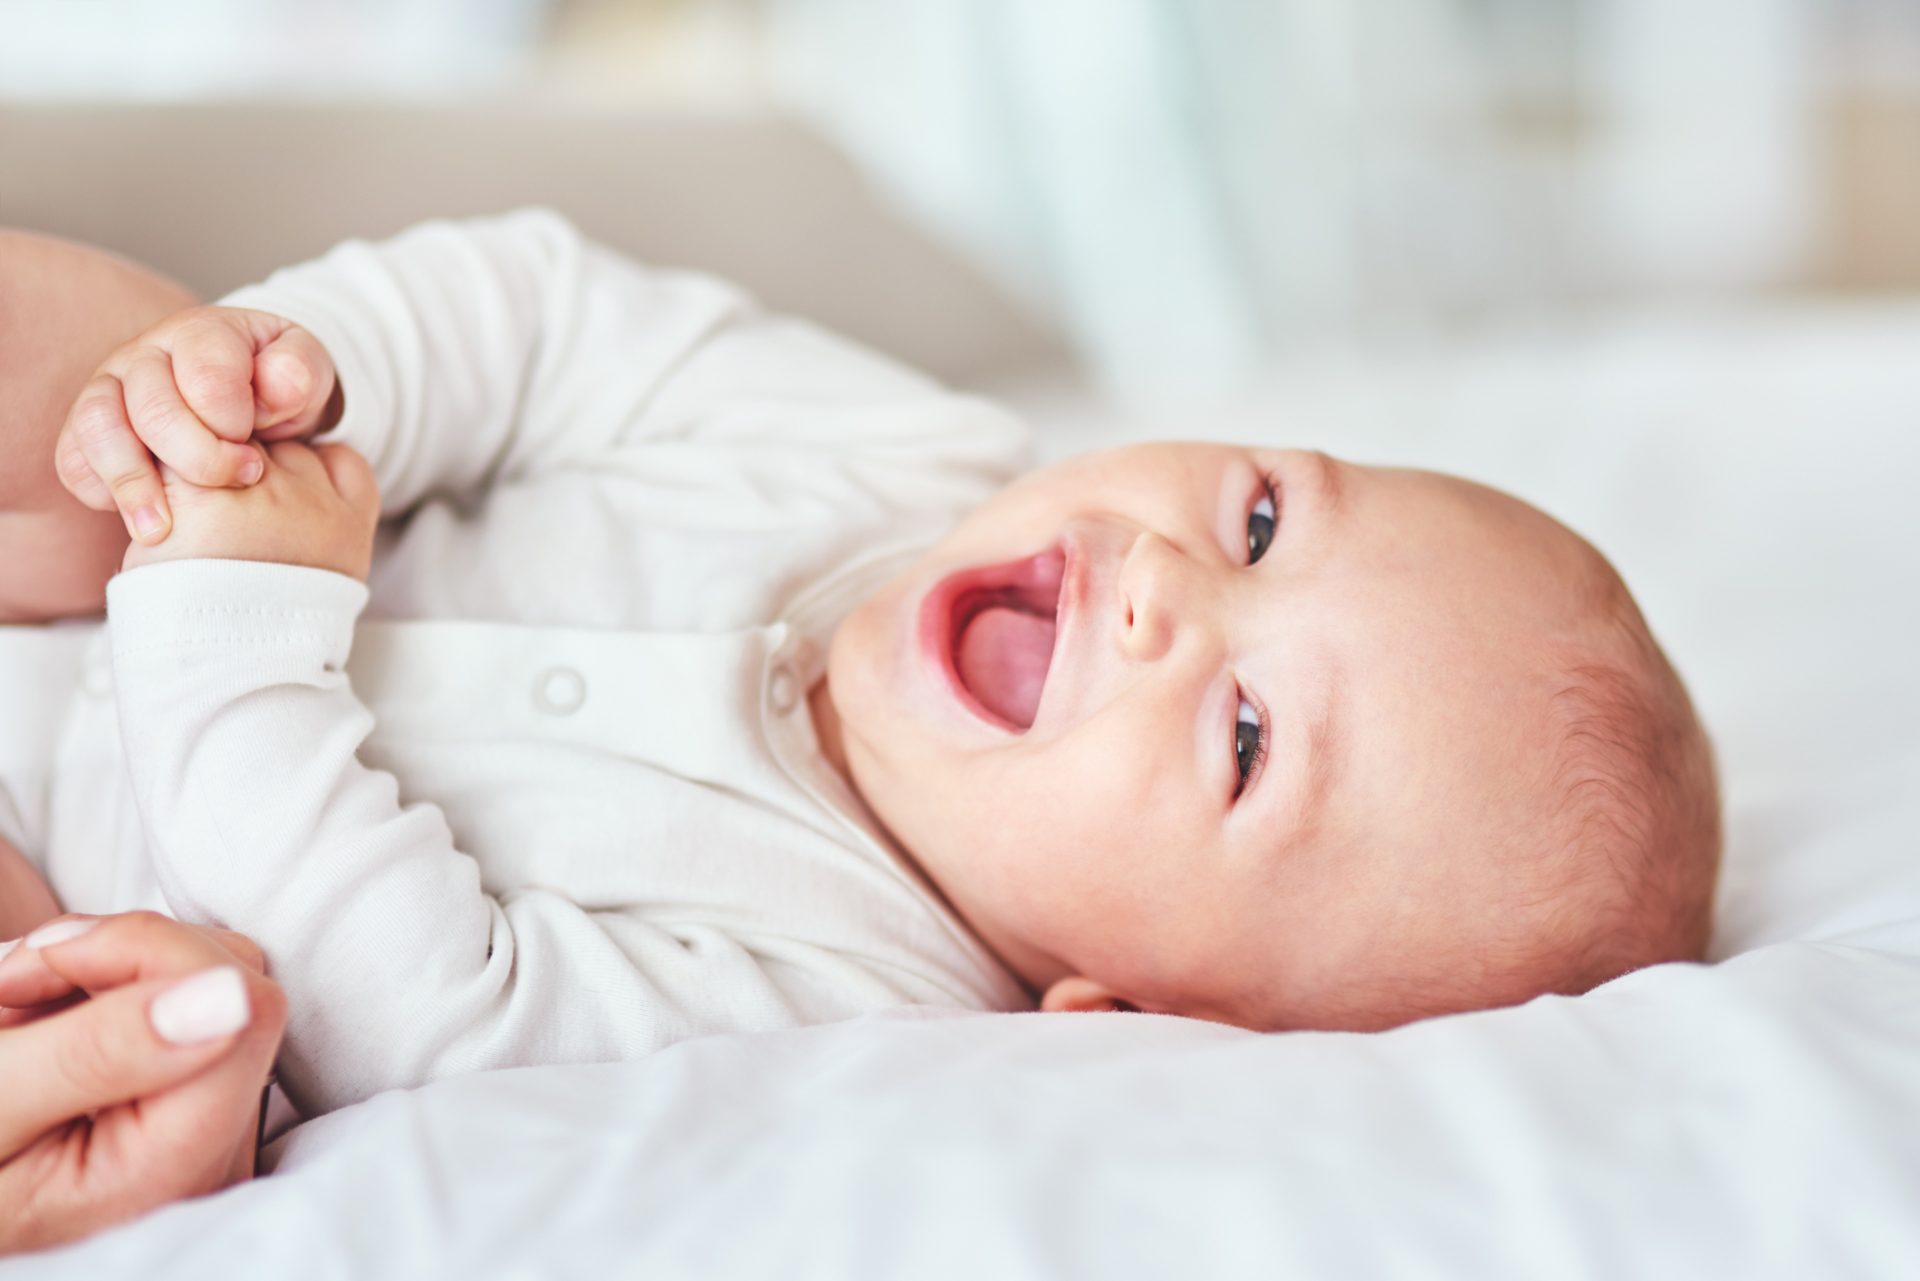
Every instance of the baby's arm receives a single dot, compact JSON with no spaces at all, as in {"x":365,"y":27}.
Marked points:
{"x":488,"y":350}
{"x":463,"y":353}
{"x":242,"y":735}
{"x":475,"y":351}
{"x":398,"y":964}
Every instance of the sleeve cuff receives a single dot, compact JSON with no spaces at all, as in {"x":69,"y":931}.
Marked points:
{"x":233,"y":604}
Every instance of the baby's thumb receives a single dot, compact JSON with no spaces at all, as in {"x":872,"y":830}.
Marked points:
{"x":351,"y":476}
{"x":292,"y":381}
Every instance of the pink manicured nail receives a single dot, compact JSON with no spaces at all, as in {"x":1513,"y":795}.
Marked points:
{"x":206,"y":1007}
{"x":59,"y":932}
{"x":147,"y":523}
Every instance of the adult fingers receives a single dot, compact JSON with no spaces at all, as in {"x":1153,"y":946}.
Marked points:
{"x":127,"y":1044}
{"x":99,"y":430}
{"x":212,"y":360}
{"x":161,"y":417}
{"x":222,"y":1104}
{"x":25,"y":978}
{"x":94,"y":954}
{"x":293,"y":380}
{"x":242,"y":948}
{"x":14,"y":1018}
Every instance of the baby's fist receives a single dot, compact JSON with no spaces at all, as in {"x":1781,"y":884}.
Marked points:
{"x":191,"y":393}
{"x":315,"y":506}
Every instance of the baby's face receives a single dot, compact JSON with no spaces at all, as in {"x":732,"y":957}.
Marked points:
{"x":1220,"y":731}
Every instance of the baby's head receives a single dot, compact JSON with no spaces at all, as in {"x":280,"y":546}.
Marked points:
{"x":1288,"y":742}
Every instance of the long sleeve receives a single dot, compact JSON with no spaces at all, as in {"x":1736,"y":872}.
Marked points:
{"x":242,"y":732}
{"x":486,"y":350}
{"x":577,"y":441}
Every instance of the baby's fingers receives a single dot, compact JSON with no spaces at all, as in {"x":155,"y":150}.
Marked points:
{"x":70,"y":459}
{"x":176,"y":435}
{"x":351,"y":476}
{"x":101,"y":460}
{"x":293,"y":380}
{"x":213,"y":368}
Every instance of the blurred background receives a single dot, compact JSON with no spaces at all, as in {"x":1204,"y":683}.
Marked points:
{"x":1184,"y":191}
{"x":1651,"y":264}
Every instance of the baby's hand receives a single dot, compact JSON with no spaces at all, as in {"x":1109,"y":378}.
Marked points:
{"x":314,"y":506}
{"x":192,"y":393}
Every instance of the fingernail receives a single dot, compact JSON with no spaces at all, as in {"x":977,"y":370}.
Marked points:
{"x":147,"y":524}
{"x":60,"y":932}
{"x":206,"y":1007}
{"x":252,"y":471}
{"x":292,"y":371}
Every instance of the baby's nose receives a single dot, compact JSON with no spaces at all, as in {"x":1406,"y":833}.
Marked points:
{"x":1155,"y":596}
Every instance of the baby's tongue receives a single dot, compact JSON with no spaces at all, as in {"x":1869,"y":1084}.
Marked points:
{"x":1003,"y":656}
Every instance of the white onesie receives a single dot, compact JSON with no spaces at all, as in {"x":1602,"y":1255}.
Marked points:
{"x":558,"y":798}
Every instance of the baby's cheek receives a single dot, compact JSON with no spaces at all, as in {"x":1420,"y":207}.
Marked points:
{"x":1079,"y":810}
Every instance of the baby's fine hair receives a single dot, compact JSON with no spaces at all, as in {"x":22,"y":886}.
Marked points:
{"x":1637,"y":805}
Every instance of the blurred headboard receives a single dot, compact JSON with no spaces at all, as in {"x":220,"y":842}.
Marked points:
{"x":218,"y":195}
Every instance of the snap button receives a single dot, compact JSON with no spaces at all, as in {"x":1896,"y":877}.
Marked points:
{"x":783,"y":691}
{"x":560,"y":691}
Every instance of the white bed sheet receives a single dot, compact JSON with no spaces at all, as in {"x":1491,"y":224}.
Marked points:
{"x":1753,"y":477}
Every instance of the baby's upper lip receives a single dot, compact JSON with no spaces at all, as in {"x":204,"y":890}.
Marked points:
{"x":1066,"y":664}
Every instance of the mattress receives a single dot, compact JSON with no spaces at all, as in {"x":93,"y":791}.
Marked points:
{"x":1752,"y":475}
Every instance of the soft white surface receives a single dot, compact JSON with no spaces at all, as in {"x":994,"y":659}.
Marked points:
{"x":1759,"y":1117}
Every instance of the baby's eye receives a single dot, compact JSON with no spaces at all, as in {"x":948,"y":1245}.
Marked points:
{"x":1249,"y":743}
{"x":1260,"y":526}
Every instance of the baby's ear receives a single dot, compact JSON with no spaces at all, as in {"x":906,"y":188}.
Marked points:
{"x":1082,"y":996}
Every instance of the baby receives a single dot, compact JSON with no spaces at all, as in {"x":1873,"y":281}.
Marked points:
{"x":683,"y":704}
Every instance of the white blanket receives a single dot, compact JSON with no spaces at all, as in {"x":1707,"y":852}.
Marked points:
{"x":1758,"y":1117}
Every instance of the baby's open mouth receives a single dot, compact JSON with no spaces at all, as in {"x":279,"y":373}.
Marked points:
{"x":1002,"y":631}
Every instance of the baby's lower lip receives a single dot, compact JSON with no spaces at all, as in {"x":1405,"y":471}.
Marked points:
{"x":936,"y":630}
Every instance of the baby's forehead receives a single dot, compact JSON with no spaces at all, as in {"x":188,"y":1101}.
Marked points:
{"x":1481,"y":520}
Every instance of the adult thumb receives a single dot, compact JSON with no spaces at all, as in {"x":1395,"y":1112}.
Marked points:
{"x":121,"y":1045}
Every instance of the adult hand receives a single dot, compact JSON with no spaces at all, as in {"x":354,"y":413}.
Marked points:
{"x":133,"y":1051}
